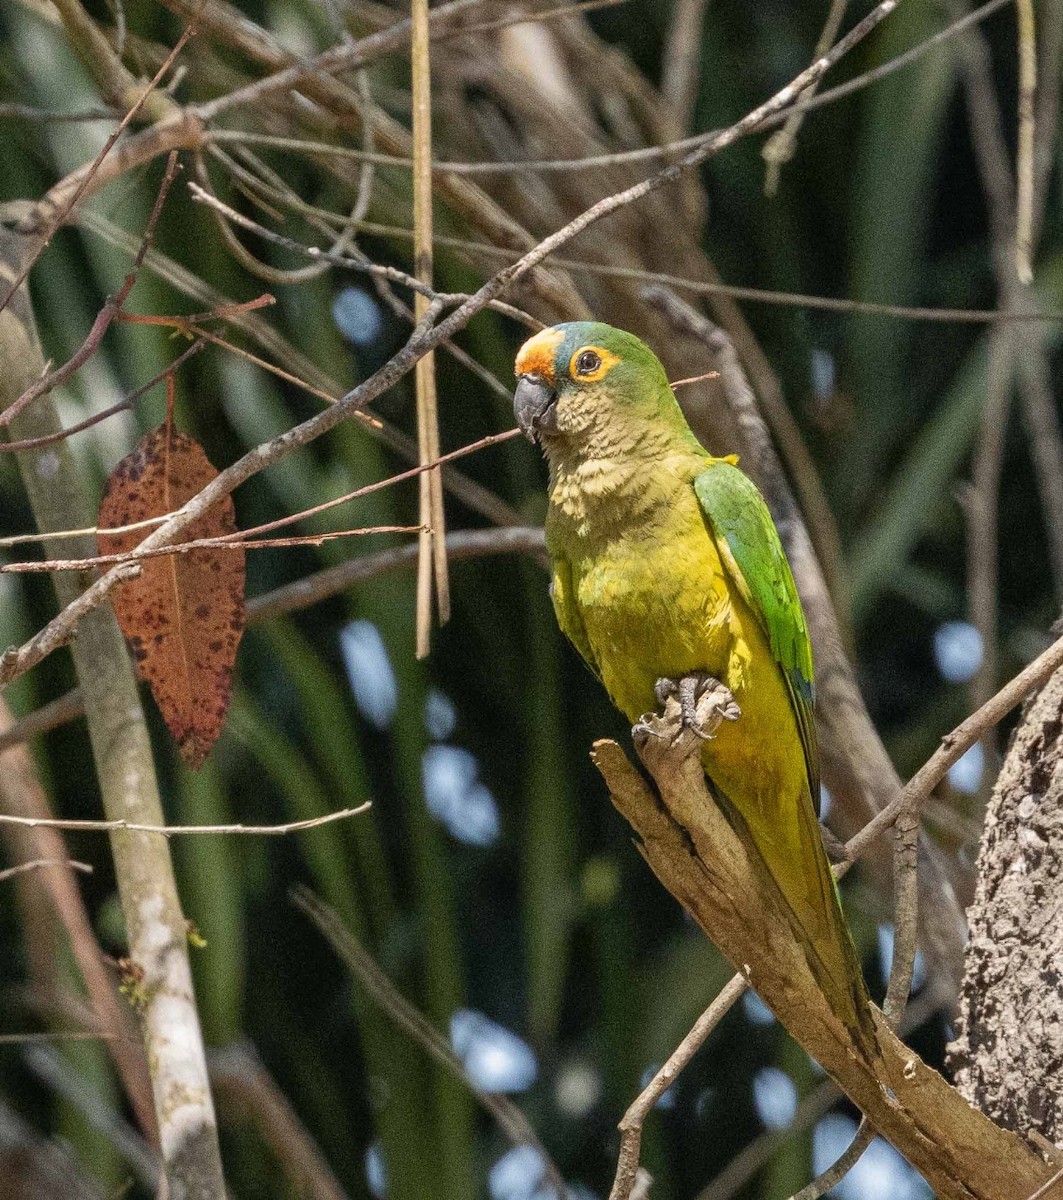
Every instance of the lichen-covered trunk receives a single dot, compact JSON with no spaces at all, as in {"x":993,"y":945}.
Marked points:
{"x":1007,"y":1056}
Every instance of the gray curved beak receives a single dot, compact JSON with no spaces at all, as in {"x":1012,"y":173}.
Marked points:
{"x":533,"y":405}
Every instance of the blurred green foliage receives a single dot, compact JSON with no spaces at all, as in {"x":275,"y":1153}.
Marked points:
{"x":552,"y":926}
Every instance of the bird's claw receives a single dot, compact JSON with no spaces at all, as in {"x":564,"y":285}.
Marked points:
{"x":703,"y":704}
{"x":645,"y":727}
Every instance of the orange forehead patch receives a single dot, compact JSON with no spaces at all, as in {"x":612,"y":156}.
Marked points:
{"x":536,"y":356}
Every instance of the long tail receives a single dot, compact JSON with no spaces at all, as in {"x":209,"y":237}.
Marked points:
{"x":795,"y":867}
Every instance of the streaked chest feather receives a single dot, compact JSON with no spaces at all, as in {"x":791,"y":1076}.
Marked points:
{"x":658,"y":607}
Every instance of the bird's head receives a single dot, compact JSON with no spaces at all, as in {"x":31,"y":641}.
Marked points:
{"x":584,"y":382}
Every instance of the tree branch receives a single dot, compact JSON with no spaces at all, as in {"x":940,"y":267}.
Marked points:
{"x":693,"y":850}
{"x":178,"y":830}
{"x":627,"y":1167}
{"x":154,"y":923}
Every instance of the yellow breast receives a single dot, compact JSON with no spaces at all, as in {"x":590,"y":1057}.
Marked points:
{"x":663,"y":611}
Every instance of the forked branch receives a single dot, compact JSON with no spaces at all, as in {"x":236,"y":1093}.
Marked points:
{"x":692,"y":849}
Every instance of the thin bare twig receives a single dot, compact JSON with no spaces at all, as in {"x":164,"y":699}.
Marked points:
{"x":169,"y":831}
{"x":240,"y":535}
{"x":627,"y":1167}
{"x":904,"y":312}
{"x":222,"y":542}
{"x":841,"y":1167}
{"x":67,"y":206}
{"x":513,"y":1123}
{"x":35,"y":864}
{"x":351,"y":262}
{"x":811,"y":1107}
{"x":955,"y":744}
{"x":364,"y":196}
{"x":17,"y":659}
{"x":344,"y":57}
{"x":123,"y":405}
{"x":109,"y":313}
{"x":324,"y":220}
{"x":491,"y":439}
{"x":779,"y":148}
{"x":255,"y":266}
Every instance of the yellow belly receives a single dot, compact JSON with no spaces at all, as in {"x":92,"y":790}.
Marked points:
{"x":644,"y":620}
{"x":671,"y":611}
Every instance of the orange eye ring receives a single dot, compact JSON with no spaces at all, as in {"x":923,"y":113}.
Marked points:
{"x":591,"y":363}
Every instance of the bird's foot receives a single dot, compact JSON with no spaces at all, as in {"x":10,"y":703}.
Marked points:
{"x":696,"y":703}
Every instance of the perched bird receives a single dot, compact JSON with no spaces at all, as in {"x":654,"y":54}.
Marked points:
{"x":667,"y":576}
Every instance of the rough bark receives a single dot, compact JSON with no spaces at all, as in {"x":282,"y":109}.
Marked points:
{"x":695,"y":853}
{"x":1008,"y":1056}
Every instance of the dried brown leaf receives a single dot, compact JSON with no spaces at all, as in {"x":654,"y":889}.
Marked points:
{"x":184,"y":615}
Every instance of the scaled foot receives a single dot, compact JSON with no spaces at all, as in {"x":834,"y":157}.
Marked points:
{"x":696,"y":703}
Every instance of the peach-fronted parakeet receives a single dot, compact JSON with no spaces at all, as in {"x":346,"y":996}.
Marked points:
{"x":666,"y":571}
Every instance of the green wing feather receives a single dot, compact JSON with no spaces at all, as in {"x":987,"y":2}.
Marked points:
{"x":753,"y":555}
{"x":567,"y":611}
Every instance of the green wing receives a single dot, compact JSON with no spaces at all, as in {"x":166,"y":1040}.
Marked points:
{"x":561,"y":593}
{"x":753,"y":556}
{"x":749,"y":546}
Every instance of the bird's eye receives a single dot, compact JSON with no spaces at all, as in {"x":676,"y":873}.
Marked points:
{"x":587,"y":363}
